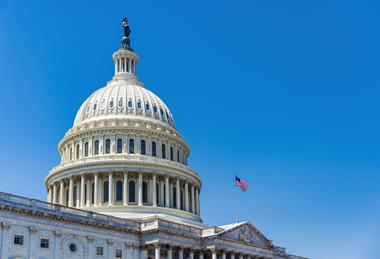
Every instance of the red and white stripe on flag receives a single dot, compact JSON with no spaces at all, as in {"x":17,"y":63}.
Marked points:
{"x":241,"y":183}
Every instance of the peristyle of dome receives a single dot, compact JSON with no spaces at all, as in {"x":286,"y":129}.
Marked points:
{"x":123,"y":156}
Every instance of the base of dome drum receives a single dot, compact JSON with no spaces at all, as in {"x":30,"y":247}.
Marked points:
{"x":142,"y":212}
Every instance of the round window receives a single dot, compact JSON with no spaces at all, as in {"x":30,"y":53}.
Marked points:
{"x":73,"y":247}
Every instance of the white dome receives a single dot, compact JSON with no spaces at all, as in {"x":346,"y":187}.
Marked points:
{"x":123,"y":99}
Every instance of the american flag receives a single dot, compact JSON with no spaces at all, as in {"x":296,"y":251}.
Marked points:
{"x":241,"y":183}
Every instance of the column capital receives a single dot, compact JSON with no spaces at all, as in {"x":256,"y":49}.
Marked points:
{"x":57,"y":234}
{"x":5,"y":225}
{"x":33,"y":230}
{"x":157,"y":245}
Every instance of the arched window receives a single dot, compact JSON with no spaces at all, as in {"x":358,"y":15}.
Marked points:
{"x":119,"y":146}
{"x":86,"y":149}
{"x":105,"y":191}
{"x":132,"y":191}
{"x":108,"y":146}
{"x":128,"y":65}
{"x":119,"y":191}
{"x":132,"y":66}
{"x":163,"y":151}
{"x":171,"y":154}
{"x":145,"y":191}
{"x":131,"y":146}
{"x":178,"y":155}
{"x":154,"y":149}
{"x":77,"y":151}
{"x":118,"y":65}
{"x":96,"y":147}
{"x":143,"y":147}
{"x":174,"y":197}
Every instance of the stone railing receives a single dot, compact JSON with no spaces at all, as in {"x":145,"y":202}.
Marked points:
{"x":123,"y":157}
{"x":10,"y":200}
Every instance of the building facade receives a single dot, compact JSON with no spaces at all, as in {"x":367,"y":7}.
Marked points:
{"x":123,"y":188}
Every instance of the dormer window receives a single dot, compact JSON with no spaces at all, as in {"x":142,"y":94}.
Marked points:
{"x":147,"y":107}
{"x":111,"y":104}
{"x":155,"y":109}
{"x":162,"y":112}
{"x":95,"y":106}
{"x":120,"y":102}
{"x":130,"y":105}
{"x":139,"y":105}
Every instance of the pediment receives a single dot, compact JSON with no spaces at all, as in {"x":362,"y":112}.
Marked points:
{"x":247,"y":233}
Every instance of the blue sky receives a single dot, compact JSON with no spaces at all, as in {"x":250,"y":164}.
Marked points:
{"x":284,"y":93}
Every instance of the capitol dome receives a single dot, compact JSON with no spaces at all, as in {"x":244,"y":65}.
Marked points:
{"x":123,"y":156}
{"x":121,"y":99}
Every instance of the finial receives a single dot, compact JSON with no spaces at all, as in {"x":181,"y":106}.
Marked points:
{"x":125,"y":41}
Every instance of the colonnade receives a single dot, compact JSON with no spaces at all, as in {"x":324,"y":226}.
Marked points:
{"x":158,"y":251}
{"x":124,"y":189}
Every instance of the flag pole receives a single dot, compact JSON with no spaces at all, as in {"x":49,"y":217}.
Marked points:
{"x":236,"y":202}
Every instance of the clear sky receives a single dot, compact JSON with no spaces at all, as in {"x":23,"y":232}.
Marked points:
{"x":284,"y":93}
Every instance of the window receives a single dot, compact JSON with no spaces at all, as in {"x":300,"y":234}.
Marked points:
{"x":44,"y":243}
{"x":145,"y":192}
{"x":154,"y":151}
{"x":18,"y":240}
{"x":119,"y":146}
{"x":96,"y":147}
{"x":132,"y":191}
{"x":95,"y":105}
{"x":182,"y":200}
{"x":122,"y":64}
{"x":111,"y":104}
{"x":73,"y":247}
{"x":147,"y":107}
{"x":132,"y":66}
{"x":77,"y":151}
{"x":178,"y":155}
{"x":105,"y":191}
{"x":130,"y":104}
{"x":99,"y":250}
{"x":120,"y":102}
{"x":119,"y":253}
{"x":162,"y":112}
{"x":163,"y":151}
{"x":119,"y":191}
{"x":139,"y":105}
{"x":143,"y":147}
{"x":171,"y":154}
{"x":127,"y":64}
{"x":131,"y":146}
{"x":86,"y":149}
{"x":155,"y":109}
{"x":108,"y":146}
{"x":71,"y":154}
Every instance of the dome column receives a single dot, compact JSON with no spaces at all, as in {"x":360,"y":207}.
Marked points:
{"x":167,"y":199}
{"x":88,"y":193}
{"x":82,"y":190}
{"x":192,"y":199}
{"x":96,"y":189}
{"x":125,"y":186}
{"x":154,"y":190}
{"x":178,"y":193}
{"x":186,"y":196}
{"x":61,"y":192}
{"x":139,"y":188}
{"x":71,"y":191}
{"x":110,"y":189}
{"x":54,"y":193}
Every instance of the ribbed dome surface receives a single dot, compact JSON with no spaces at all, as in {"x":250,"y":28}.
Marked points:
{"x":123,"y":99}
